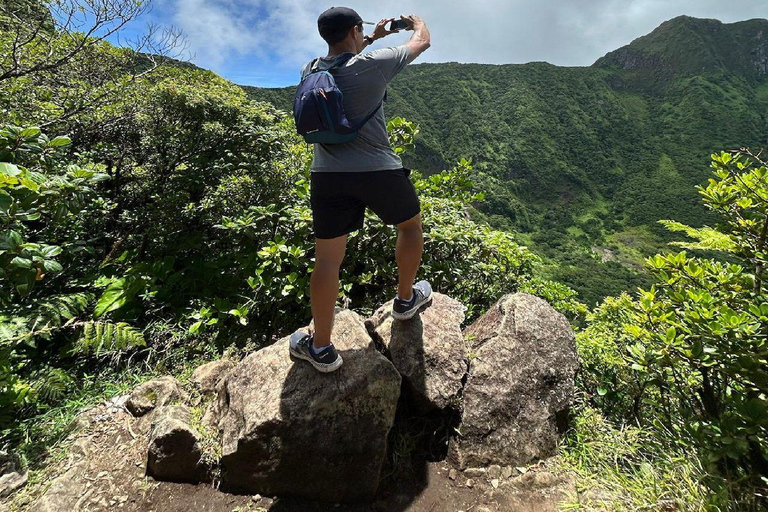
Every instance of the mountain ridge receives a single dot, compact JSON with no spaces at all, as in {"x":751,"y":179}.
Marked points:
{"x":692,"y":45}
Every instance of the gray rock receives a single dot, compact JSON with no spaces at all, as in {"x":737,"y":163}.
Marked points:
{"x":65,"y":490}
{"x":290,"y":430}
{"x":475,"y":472}
{"x":12,"y":475}
{"x":174,"y":446}
{"x":154,"y":393}
{"x":494,"y":471}
{"x":207,"y":376}
{"x":520,"y":387}
{"x":212,"y":415}
{"x":428,"y":350}
{"x":117,"y":404}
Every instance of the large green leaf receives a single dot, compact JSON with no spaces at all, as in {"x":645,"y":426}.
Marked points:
{"x":5,"y":202}
{"x":52,"y":266}
{"x":60,"y":141}
{"x":113,"y":298}
{"x":9,"y":169}
{"x":21,"y":262}
{"x":31,"y":132}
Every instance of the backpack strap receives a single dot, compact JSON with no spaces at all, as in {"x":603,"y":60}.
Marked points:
{"x":313,"y":65}
{"x":368,"y":117}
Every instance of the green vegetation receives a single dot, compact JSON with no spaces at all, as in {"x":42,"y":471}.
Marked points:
{"x":172,"y":224}
{"x":687,"y":358}
{"x":624,"y":469}
{"x":151,"y":220}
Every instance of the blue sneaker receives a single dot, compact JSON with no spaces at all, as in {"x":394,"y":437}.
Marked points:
{"x":325,"y":360}
{"x":405,"y":309}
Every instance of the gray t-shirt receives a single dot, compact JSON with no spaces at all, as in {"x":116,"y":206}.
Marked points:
{"x":363,"y":79}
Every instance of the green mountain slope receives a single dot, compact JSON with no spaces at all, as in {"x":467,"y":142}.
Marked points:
{"x":692,"y":46}
{"x":592,"y":157}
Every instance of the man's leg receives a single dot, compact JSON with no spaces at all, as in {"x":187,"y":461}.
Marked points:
{"x":410,"y":245}
{"x":324,"y":285}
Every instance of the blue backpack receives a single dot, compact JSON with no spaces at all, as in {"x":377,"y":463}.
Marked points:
{"x":318,"y":108}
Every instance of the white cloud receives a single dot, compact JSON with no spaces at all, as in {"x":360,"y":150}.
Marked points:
{"x":563,"y":32}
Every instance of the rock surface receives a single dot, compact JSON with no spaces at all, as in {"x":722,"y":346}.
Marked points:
{"x":520,"y":387}
{"x":12,"y":476}
{"x":206,"y":377}
{"x":428,"y":350}
{"x":66,"y":490}
{"x":174,"y":448}
{"x":154,"y":393}
{"x":290,"y":430}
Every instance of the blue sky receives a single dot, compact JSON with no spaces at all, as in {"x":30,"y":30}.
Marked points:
{"x":265,"y":42}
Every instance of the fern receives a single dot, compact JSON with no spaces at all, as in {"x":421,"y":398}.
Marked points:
{"x":56,"y":310}
{"x":104,"y":338}
{"x":52,"y":384}
{"x":11,"y":328}
{"x":708,"y":238}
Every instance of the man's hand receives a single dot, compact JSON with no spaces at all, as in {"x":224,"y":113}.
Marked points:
{"x":411,"y":20}
{"x":381,"y":29}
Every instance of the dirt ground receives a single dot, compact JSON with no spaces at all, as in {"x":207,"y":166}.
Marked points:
{"x":107,"y":460}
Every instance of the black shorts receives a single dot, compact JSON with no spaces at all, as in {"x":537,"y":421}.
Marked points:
{"x":339,"y":199}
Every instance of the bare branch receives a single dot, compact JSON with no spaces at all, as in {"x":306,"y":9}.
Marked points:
{"x":72,"y":24}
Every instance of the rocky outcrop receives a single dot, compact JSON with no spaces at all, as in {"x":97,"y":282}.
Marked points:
{"x":276,"y":426}
{"x":523,"y":362}
{"x":428,"y":350}
{"x":289,"y":430}
{"x":174,"y":447}
{"x":66,"y":490}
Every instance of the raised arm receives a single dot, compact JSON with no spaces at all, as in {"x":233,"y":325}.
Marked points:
{"x":419,"y":41}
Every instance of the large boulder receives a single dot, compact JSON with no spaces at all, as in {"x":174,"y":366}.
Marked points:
{"x":428,"y":350}
{"x":288,"y":429}
{"x":523,"y":362}
{"x":174,"y":446}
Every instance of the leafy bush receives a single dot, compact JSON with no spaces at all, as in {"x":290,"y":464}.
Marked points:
{"x":42,"y":294}
{"x":695,"y":342}
{"x":606,"y":378}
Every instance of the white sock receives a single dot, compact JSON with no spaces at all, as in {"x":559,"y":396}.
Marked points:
{"x":406,"y":300}
{"x":318,"y":350}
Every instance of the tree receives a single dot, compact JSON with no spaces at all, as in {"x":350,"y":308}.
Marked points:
{"x":40,"y":37}
{"x":702,"y":332}
{"x":57,"y":67}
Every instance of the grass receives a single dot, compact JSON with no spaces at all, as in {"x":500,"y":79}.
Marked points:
{"x":634,"y":245}
{"x":627,"y":470}
{"x":210,"y":442}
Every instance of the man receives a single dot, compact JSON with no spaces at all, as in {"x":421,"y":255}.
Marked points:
{"x":346,"y":178}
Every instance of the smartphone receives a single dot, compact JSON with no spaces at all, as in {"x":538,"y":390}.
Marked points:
{"x":398,"y":25}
